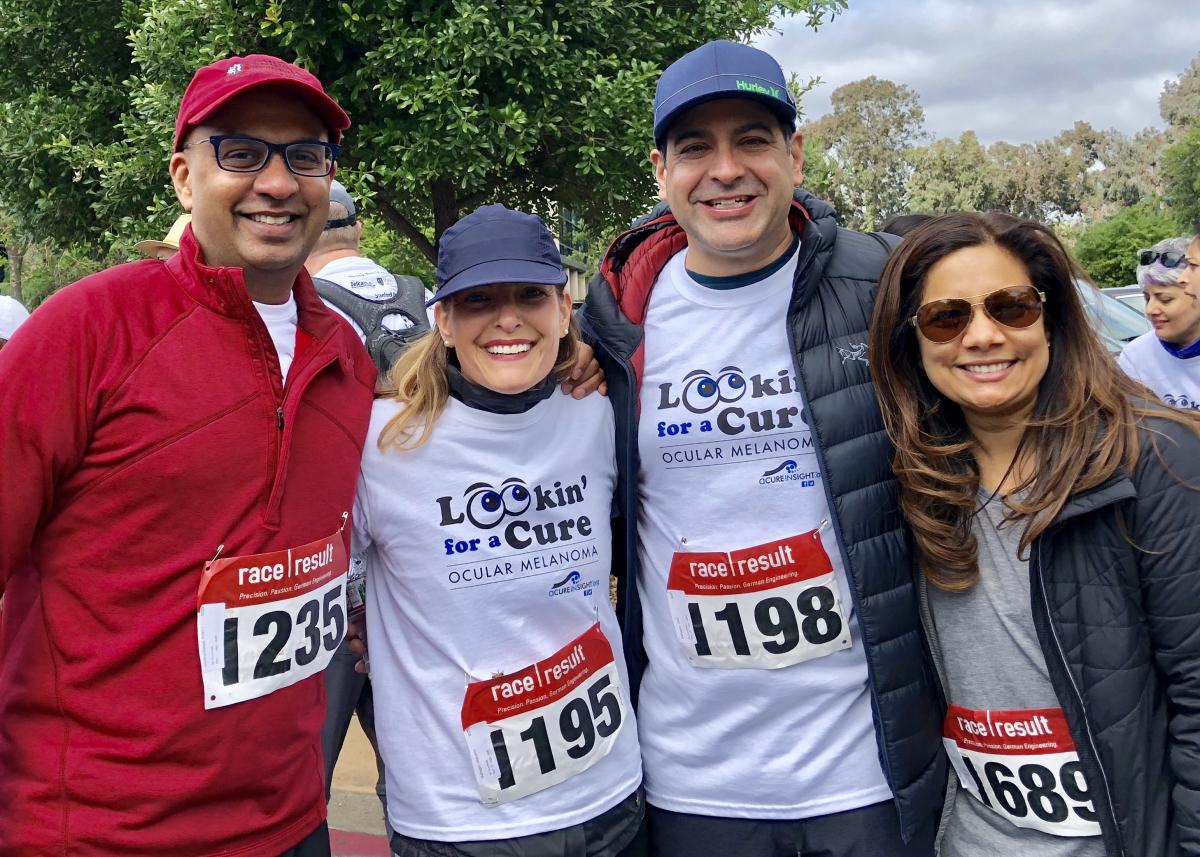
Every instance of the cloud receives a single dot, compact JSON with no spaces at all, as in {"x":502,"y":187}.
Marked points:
{"x":1020,"y":71}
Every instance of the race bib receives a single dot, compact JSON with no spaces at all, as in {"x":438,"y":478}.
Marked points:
{"x":268,"y":620}
{"x":551,"y":721}
{"x":763,"y":607}
{"x":1023,"y":766}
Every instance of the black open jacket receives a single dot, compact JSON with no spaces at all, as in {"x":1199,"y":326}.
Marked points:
{"x":1116,"y":604}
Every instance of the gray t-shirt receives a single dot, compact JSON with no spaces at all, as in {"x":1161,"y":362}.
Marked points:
{"x":991,"y":659}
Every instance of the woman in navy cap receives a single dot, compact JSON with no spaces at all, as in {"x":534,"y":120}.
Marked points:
{"x":483,"y":518}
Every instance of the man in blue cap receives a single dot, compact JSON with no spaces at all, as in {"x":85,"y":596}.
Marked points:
{"x":785,"y":702}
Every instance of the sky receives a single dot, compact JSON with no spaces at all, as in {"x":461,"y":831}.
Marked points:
{"x":1017,"y":70}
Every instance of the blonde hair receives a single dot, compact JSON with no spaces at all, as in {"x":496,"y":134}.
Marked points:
{"x":419,"y":380}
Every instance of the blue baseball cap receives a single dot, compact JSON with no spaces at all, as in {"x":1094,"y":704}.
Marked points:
{"x":720,"y":69}
{"x":494,"y":245}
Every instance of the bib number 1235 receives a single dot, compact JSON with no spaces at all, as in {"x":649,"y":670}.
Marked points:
{"x":266,"y":621}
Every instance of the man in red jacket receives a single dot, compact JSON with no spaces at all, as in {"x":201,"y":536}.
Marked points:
{"x":180,"y":445}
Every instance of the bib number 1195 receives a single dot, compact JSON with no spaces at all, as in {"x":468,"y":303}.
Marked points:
{"x":576,"y":729}
{"x":551,"y":721}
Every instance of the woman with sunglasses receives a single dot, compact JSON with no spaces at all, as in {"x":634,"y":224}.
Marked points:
{"x":1167,"y":360}
{"x":1055,"y":509}
{"x":482,"y":516}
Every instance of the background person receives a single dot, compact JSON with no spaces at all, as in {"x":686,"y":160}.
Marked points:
{"x":12,"y":315}
{"x":1190,"y":278}
{"x":174,"y":431}
{"x":483,"y":512}
{"x":1055,"y":509}
{"x":1167,"y":359}
{"x":337,"y":258}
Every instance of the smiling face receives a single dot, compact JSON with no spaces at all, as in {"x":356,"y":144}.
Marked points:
{"x":1174,"y":314}
{"x":265,"y":222}
{"x":728,"y":173}
{"x":989,"y":370}
{"x":1189,"y":278}
{"x":506,"y":336}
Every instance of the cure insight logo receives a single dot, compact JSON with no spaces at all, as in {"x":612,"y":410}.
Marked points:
{"x":789,"y":471}
{"x":573,"y":582}
{"x":485,"y":507}
{"x":728,"y":402}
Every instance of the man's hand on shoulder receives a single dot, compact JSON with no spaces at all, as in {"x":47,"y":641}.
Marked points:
{"x":587,"y":377}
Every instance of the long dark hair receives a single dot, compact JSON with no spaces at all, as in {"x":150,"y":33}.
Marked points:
{"x":1083,"y":425}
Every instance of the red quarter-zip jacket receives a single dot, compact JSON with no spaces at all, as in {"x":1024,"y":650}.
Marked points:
{"x":143,"y":424}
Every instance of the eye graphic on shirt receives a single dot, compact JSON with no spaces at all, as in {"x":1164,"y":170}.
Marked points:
{"x":699,"y":392}
{"x":702,"y":392}
{"x":731,"y":386}
{"x":485,"y":506}
{"x":488,"y":506}
{"x":515,"y":495}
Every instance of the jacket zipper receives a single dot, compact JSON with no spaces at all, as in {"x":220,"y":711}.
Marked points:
{"x":1087,"y":726}
{"x":281,"y":457}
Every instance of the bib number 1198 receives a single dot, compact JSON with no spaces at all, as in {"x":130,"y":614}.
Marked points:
{"x":764,"y":607}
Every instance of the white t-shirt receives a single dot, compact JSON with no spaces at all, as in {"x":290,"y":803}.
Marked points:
{"x":280,"y":320}
{"x":367,"y":280}
{"x":1175,"y":380}
{"x":727,"y":466}
{"x":488,"y":549}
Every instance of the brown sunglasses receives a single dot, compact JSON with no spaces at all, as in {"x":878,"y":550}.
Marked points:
{"x":1015,"y":306}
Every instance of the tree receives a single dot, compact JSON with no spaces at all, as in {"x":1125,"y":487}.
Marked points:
{"x":867,"y":138}
{"x":1108,"y":250}
{"x":1181,"y":174}
{"x":1126,"y":171}
{"x":1179,"y":103}
{"x":61,"y":83}
{"x":951,"y":175}
{"x":455,"y":104}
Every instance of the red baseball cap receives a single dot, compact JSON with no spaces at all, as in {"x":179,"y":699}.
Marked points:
{"x":216,"y":83}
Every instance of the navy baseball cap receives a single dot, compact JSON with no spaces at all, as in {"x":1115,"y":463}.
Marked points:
{"x":720,"y":69}
{"x":494,"y":245}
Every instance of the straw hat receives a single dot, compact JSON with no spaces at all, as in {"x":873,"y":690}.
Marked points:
{"x":170,"y":242}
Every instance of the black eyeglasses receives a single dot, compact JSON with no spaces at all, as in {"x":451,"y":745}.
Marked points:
{"x":943,"y":321}
{"x":1167,"y":258}
{"x":237,"y":153}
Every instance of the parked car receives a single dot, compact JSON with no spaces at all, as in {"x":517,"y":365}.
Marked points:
{"x":1129,"y":295}
{"x":1116,"y":322}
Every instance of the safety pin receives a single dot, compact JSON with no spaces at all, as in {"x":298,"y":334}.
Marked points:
{"x":217,"y":555}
